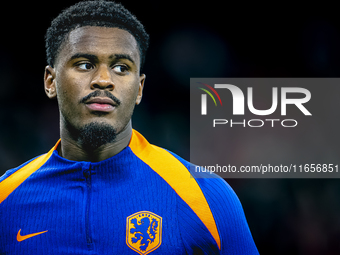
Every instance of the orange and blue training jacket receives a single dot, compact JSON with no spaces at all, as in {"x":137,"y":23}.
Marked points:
{"x":141,"y":201}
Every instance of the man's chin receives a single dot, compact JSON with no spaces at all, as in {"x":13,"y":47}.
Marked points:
{"x":96,"y":134}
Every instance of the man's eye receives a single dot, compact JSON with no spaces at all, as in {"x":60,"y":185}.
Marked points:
{"x":120,"y":69}
{"x":85,"y":66}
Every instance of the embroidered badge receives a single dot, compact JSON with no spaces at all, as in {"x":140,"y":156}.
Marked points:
{"x":144,"y":232}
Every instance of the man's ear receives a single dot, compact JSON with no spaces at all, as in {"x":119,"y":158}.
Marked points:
{"x":140,"y":89}
{"x":49,"y":82}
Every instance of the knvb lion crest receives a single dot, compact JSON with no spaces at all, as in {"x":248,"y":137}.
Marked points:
{"x":144,"y":232}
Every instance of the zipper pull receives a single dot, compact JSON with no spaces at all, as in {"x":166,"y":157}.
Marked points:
{"x":87,"y":170}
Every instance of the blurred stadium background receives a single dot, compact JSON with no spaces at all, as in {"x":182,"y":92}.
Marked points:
{"x":205,"y":39}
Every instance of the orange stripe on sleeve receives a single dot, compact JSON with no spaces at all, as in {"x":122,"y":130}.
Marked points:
{"x":8,"y":185}
{"x":178,"y":177}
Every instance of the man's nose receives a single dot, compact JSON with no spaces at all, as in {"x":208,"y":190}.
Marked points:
{"x":102,"y":79}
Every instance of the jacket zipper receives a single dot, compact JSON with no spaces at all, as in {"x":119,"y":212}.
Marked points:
{"x":88,"y":176}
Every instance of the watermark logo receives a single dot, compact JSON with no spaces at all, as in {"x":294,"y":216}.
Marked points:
{"x":239,"y":99}
{"x":264,"y":127}
{"x":204,"y":97}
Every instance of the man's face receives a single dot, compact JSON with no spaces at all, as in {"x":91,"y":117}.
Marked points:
{"x":96,"y":78}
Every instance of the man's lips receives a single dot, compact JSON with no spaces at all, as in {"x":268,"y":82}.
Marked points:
{"x":101,"y":104}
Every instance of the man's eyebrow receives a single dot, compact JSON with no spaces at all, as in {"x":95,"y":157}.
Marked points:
{"x":122,"y":56}
{"x":90,"y":57}
{"x":94,"y":58}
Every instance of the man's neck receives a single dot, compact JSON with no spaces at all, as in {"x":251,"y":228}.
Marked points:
{"x":72,"y":150}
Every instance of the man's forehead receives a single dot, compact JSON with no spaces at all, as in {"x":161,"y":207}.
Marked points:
{"x":101,"y":40}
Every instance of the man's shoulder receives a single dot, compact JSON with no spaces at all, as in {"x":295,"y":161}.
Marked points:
{"x":208,"y":182}
{"x":233,"y":233}
{"x":13,"y":178}
{"x":27,"y":168}
{"x":15,"y":169}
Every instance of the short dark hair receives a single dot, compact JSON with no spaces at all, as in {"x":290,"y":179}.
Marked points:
{"x":100,"y":13}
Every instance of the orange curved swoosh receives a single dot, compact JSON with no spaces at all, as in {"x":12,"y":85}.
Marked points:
{"x":22,"y":238}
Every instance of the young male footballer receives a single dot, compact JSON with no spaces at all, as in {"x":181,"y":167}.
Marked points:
{"x":103,"y":189}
